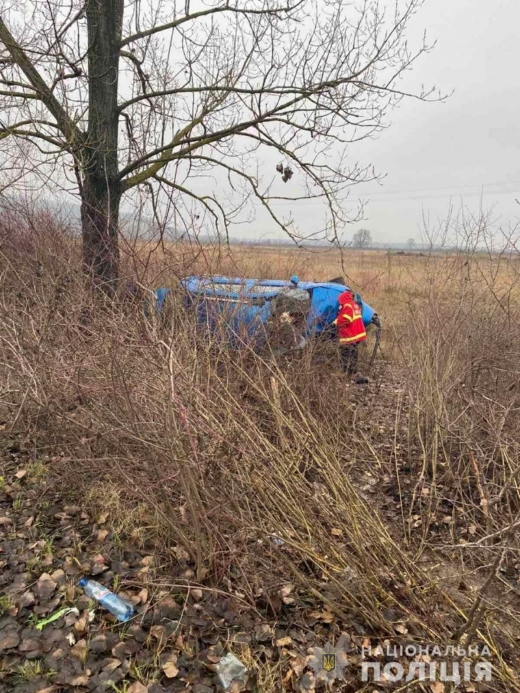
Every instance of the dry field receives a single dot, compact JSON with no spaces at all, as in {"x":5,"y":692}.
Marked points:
{"x":386,"y":512}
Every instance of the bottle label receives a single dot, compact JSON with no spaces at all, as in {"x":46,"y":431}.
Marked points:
{"x":101,"y":594}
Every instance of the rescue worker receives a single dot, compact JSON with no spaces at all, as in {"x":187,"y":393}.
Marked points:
{"x":351,"y":331}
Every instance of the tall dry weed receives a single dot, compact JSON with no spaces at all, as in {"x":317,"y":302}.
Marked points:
{"x":238,"y":463}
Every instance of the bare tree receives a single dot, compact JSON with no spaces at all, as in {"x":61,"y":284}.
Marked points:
{"x":411,"y":243}
{"x":362,"y":239}
{"x":144,"y":99}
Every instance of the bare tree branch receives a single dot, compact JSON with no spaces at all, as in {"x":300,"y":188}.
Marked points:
{"x":176,"y":23}
{"x":152,"y":102}
{"x":43,"y":92}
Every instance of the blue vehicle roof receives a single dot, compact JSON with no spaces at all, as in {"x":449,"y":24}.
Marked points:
{"x":236,"y":288}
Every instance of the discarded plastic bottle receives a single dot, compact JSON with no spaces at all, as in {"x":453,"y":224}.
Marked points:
{"x":122,"y":610}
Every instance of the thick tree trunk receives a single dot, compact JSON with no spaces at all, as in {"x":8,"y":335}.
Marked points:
{"x":100,"y":220}
{"x":101,"y":193}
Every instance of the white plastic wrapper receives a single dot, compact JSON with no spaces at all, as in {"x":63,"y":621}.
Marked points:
{"x":228,"y":669}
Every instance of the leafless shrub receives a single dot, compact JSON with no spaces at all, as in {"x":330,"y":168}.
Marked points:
{"x":460,"y":346}
{"x":238,"y":464}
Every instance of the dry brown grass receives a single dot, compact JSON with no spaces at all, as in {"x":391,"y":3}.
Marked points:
{"x":250,"y":468}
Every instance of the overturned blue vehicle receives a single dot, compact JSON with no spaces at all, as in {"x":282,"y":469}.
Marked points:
{"x":243,"y":308}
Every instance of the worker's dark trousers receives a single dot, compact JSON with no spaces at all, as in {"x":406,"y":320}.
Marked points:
{"x":349,"y":357}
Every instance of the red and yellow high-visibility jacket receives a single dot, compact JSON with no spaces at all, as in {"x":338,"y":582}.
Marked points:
{"x":351,"y":328}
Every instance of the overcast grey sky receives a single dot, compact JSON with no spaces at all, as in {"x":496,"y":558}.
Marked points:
{"x":464,"y":151}
{"x":470,"y":143}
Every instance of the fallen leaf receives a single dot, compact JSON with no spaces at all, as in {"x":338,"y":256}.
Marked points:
{"x":80,"y":650}
{"x":170,"y":670}
{"x":325,"y":616}
{"x":181,"y":553}
{"x":102,"y":518}
{"x":81,"y":624}
{"x":27,"y":599}
{"x":263,"y":632}
{"x":21,"y":473}
{"x":336,"y":532}
{"x":298,"y":664}
{"x":307,"y":682}
{"x":79,"y":680}
{"x":287,"y":678}
{"x":29,"y":645}
{"x":137,"y":687}
{"x":437,"y":687}
{"x":286,"y":590}
{"x":158,"y":632}
{"x":102,"y":534}
{"x":9,"y":640}
{"x":45,"y":586}
{"x":283,"y":642}
{"x":59,"y":576}
{"x":111,"y":665}
{"x":98,"y":565}
{"x":214,"y":655}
